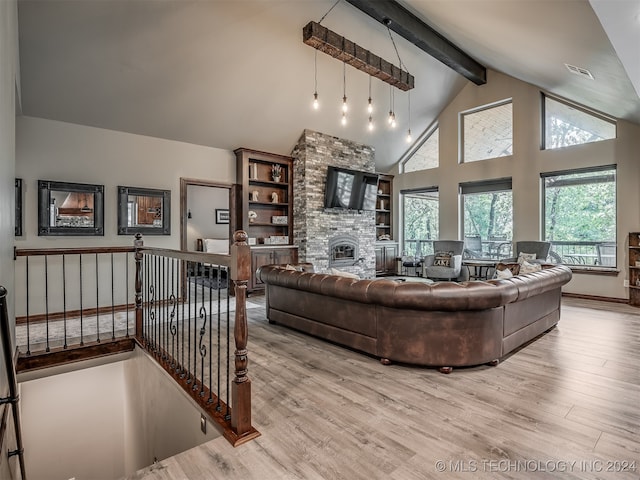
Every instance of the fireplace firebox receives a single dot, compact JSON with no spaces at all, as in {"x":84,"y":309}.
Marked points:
{"x":343,"y":251}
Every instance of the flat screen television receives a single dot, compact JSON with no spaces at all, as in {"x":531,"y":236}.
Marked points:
{"x":350,"y":189}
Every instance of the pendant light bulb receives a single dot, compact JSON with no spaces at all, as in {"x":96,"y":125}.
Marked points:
{"x":370,"y":106}
{"x":370,"y":123}
{"x":409,"y":138}
{"x":390,"y":119}
{"x":316,"y":105}
{"x":344,"y":118}
{"x":393,"y":120}
{"x":344,"y":104}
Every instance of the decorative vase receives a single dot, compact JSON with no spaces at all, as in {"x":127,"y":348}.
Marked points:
{"x":276,"y":178}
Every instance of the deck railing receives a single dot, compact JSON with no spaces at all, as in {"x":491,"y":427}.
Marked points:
{"x":177,"y":305}
{"x":572,"y":253}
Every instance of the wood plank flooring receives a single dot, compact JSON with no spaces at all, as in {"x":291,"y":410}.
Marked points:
{"x":565,"y":406}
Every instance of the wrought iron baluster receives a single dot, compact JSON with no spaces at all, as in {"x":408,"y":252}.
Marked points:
{"x":64,"y":302}
{"x":126,"y":290}
{"x":81,"y":307}
{"x":46,"y":300}
{"x":189,"y":267}
{"x":184,"y":300}
{"x":97,"y":303}
{"x":113,"y":304}
{"x":172,"y":326}
{"x":228,"y":352}
{"x":27,"y":309}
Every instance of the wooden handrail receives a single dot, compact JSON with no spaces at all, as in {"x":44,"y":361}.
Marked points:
{"x":29,"y":252}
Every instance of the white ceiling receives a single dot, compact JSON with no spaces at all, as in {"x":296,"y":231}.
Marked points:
{"x":235,"y":73}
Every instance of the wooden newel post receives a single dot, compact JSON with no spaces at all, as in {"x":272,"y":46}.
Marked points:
{"x":138,"y":244}
{"x":241,"y":387}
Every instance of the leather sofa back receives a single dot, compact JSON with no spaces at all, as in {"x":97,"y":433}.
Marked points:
{"x":441,"y":296}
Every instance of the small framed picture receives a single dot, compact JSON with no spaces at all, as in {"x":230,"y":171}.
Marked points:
{"x":222,"y":215}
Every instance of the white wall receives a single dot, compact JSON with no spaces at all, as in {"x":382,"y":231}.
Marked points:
{"x":525,"y":166}
{"x":105,"y":421}
{"x":8,"y":72}
{"x":51,"y":150}
{"x":203,"y":201}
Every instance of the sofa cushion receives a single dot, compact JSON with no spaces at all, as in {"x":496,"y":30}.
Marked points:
{"x":442,"y":259}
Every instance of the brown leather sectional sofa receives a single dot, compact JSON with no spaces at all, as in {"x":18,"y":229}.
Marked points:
{"x":444,"y":324}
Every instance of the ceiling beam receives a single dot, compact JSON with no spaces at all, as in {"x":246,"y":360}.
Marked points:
{"x":410,"y":27}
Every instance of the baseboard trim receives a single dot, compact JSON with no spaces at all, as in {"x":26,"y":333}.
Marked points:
{"x":595,"y":297}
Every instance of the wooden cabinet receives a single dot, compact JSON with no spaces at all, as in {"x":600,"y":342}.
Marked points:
{"x":384,"y":207}
{"x":634,"y":268}
{"x":265,"y":204}
{"x":266,"y":255}
{"x":386,"y":258}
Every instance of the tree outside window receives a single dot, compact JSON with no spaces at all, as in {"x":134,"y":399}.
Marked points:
{"x":580,"y":215}
{"x":420,"y":221}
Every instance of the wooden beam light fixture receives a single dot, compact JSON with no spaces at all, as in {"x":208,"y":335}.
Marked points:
{"x":329,"y":42}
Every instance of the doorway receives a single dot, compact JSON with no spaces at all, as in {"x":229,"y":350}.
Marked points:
{"x":207,"y":210}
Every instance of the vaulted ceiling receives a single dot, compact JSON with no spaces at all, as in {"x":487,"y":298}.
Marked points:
{"x":235,"y":73}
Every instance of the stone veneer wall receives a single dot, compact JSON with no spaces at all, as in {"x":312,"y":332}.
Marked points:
{"x":312,"y":225}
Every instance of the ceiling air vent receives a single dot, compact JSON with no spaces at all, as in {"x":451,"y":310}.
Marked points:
{"x":583,"y":72}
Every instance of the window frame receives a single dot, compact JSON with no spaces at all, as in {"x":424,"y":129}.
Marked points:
{"x":403,"y":193}
{"x":577,"y":106}
{"x":543,"y":210}
{"x":461,"y":136}
{"x":426,"y":135}
{"x":494,"y":185}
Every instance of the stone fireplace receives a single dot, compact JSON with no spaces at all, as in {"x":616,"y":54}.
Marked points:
{"x":330,"y":238}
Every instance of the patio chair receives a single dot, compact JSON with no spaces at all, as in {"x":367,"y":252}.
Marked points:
{"x":446,"y":262}
{"x":472,"y":246}
{"x":606,"y":254}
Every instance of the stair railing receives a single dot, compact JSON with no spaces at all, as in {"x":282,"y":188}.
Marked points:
{"x":183,"y":320}
{"x":12,"y":399}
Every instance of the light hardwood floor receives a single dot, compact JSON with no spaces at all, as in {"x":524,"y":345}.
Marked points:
{"x":325,"y":412}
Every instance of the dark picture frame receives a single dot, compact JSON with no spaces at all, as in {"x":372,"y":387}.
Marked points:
{"x":85,"y":218}
{"x":222,"y":215}
{"x":18,"y":208}
{"x":151,"y":203}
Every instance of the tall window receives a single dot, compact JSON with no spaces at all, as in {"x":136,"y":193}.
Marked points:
{"x":487,"y":132}
{"x":566,"y":124}
{"x":487,"y":218}
{"x":580,"y":215}
{"x":420,"y":214}
{"x":426,"y":154}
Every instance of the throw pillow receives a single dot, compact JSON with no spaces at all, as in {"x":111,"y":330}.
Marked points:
{"x":342,"y":273}
{"x":504,"y":273}
{"x":290,"y":267}
{"x":526,"y":267}
{"x":442,"y":259}
{"x":525,"y":257}
{"x":514,"y":268}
